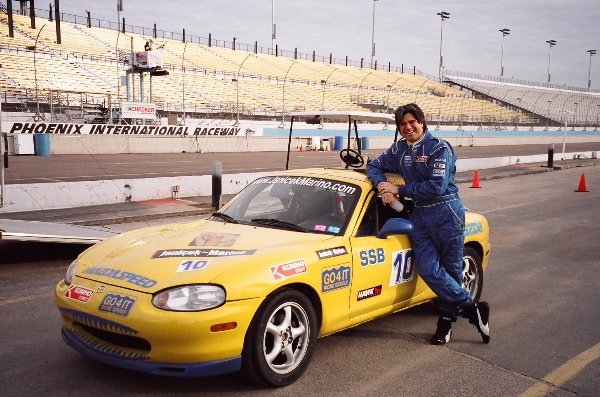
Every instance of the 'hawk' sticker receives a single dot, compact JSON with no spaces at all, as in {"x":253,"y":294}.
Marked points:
{"x":369,"y":293}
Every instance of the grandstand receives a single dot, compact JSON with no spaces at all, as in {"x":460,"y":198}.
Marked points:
{"x":225,"y":82}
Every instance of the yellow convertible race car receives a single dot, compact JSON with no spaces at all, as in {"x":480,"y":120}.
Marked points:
{"x":294,"y":256}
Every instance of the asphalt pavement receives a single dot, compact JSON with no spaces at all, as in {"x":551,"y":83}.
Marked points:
{"x":63,"y":167}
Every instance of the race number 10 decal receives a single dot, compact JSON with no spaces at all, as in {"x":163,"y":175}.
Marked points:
{"x":403,"y":268}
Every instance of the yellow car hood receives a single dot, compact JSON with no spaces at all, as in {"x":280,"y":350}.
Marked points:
{"x":155,"y":258}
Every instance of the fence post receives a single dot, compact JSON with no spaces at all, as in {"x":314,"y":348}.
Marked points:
{"x":550,"y":155}
{"x":217,"y":176}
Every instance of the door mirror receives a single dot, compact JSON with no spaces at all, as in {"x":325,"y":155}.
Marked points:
{"x":395,"y":226}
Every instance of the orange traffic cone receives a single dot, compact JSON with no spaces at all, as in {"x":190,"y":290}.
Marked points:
{"x":301,"y":148}
{"x":582,"y":187}
{"x":476,"y":180}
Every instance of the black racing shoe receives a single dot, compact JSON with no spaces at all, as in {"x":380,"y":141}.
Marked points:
{"x":443,"y":331}
{"x":479,"y":315}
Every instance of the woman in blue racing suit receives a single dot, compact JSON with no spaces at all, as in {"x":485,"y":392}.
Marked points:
{"x":428,"y":165}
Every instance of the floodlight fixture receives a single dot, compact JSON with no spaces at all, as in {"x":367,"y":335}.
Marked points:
{"x":505,"y":32}
{"x":592,"y":52}
{"x":552,"y":44}
{"x":443,"y":15}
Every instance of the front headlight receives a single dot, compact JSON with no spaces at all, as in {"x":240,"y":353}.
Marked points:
{"x":190,"y":298}
{"x":71,"y":272}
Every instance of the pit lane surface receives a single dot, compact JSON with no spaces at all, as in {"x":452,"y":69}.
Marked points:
{"x":72,"y":168}
{"x":542,"y":285}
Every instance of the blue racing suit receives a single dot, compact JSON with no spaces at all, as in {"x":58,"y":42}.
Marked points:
{"x":428,"y":168}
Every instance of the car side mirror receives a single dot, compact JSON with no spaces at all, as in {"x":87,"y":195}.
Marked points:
{"x":395,"y":226}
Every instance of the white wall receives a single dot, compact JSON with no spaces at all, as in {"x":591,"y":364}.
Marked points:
{"x":117,"y":144}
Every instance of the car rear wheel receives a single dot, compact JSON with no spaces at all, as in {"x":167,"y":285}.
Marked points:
{"x":280,"y":341}
{"x":472,"y":272}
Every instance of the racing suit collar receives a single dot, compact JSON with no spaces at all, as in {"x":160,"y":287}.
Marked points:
{"x":415,"y":145}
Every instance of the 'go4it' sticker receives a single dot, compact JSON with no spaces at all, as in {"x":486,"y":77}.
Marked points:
{"x":117,"y":304}
{"x":333,"y":278}
{"x":403,"y":268}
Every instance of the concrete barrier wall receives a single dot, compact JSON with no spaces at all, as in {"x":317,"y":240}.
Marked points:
{"x":45,"y":196}
{"x":116,"y":144}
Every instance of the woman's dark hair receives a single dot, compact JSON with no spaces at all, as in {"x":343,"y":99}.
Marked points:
{"x":413,"y":109}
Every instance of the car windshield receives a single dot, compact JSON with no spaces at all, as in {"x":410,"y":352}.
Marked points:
{"x":299,"y":203}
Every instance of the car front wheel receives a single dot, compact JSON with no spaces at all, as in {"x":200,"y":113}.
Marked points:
{"x":472,"y":272}
{"x":280,"y":341}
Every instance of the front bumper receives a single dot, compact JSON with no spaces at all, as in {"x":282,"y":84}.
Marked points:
{"x":151,"y":340}
{"x":219,"y":367}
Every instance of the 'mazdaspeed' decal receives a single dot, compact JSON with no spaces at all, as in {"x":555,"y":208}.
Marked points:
{"x":132,"y":278}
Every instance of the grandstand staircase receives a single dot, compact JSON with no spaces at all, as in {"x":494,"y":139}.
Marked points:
{"x":113,"y":49}
{"x":14,"y":89}
{"x":182,"y":58}
{"x":187,"y":88}
{"x":226,"y":59}
{"x":94,"y":75}
{"x":262,"y":99}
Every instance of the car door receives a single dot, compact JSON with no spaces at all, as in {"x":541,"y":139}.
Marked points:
{"x":383,"y":269}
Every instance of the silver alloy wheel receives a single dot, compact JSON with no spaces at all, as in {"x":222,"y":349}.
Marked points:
{"x":286,"y":337}
{"x":471,"y":277}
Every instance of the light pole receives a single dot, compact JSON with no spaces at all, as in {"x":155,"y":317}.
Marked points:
{"x":505,"y":32}
{"x":444,"y":15}
{"x":373,"y":35}
{"x":324,"y":82}
{"x":359,"y":87}
{"x":38,"y":116}
{"x":548,"y":117}
{"x":387,"y":101}
{"x":119,"y":13}
{"x":183,"y":85}
{"x":592,"y":52}
{"x":282,"y":125}
{"x":273,"y":27}
{"x":237,"y":92}
{"x":552,"y":44}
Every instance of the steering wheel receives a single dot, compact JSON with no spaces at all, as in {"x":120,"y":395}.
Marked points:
{"x":351,"y":158}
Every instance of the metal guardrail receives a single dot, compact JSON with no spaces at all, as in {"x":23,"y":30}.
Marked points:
{"x":234,"y":44}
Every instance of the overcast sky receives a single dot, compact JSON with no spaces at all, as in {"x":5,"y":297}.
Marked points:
{"x":406,"y":32}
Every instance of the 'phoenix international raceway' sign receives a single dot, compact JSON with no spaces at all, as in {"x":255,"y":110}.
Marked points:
{"x":109,"y":129}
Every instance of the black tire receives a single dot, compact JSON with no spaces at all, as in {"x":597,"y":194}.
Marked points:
{"x":281,"y":339}
{"x":472,"y":272}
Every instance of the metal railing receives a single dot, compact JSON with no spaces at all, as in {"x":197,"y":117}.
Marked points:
{"x":232,"y":44}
